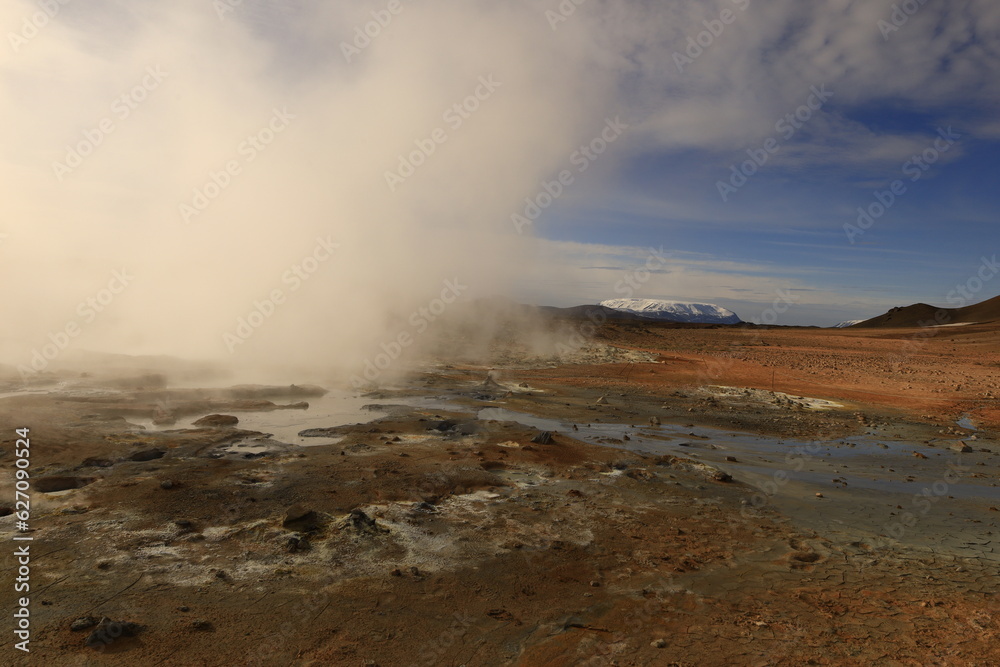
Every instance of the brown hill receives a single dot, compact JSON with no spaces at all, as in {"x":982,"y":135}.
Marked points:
{"x":922,"y":314}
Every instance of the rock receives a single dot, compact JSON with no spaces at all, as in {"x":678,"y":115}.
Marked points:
{"x":819,"y":495}
{"x":659,"y":643}
{"x":961,"y":448}
{"x":108,"y":631}
{"x":543,"y":438}
{"x":166,"y":484}
{"x":424,"y":507}
{"x":298,"y":514}
{"x":217,"y":421}
{"x":84,"y":623}
{"x":360,"y":522}
{"x":731,"y":459}
{"x":147,"y":455}
{"x":722,"y":476}
{"x":444,"y":425}
{"x":296,"y":543}
{"x":201,"y":625}
{"x":601,"y":401}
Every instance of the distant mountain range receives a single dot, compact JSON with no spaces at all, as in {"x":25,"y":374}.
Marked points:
{"x":674,"y":311}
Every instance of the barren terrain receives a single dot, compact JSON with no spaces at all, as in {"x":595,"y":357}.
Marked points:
{"x":667,"y":496}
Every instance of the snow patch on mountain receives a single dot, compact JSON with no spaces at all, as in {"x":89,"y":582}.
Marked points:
{"x":847,"y":323}
{"x":675,"y":311}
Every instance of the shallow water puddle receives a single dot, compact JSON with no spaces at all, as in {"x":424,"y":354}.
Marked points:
{"x":333,"y":409}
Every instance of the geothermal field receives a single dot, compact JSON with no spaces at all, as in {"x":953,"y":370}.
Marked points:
{"x":489,"y":333}
{"x":666,"y":495}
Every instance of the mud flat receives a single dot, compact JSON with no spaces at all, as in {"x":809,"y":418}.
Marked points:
{"x":556,"y":516}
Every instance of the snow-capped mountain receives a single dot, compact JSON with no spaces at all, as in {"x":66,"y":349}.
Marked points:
{"x":675,"y":311}
{"x":848,"y":323}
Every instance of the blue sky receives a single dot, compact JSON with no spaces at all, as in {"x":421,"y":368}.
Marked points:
{"x":787,"y":221}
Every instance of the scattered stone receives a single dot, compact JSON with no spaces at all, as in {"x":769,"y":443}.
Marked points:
{"x":654,"y":421}
{"x":84,"y":623}
{"x":961,"y":448}
{"x":819,"y":495}
{"x":360,"y":522}
{"x":601,"y":401}
{"x":217,"y":421}
{"x":184,"y":608}
{"x":296,"y":543}
{"x":722,"y":476}
{"x":659,"y":643}
{"x":543,"y":438}
{"x":108,"y":631}
{"x":595,"y":584}
{"x":919,"y":455}
{"x":731,"y":459}
{"x":425,"y":507}
{"x":201,"y":625}
{"x":166,"y":484}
